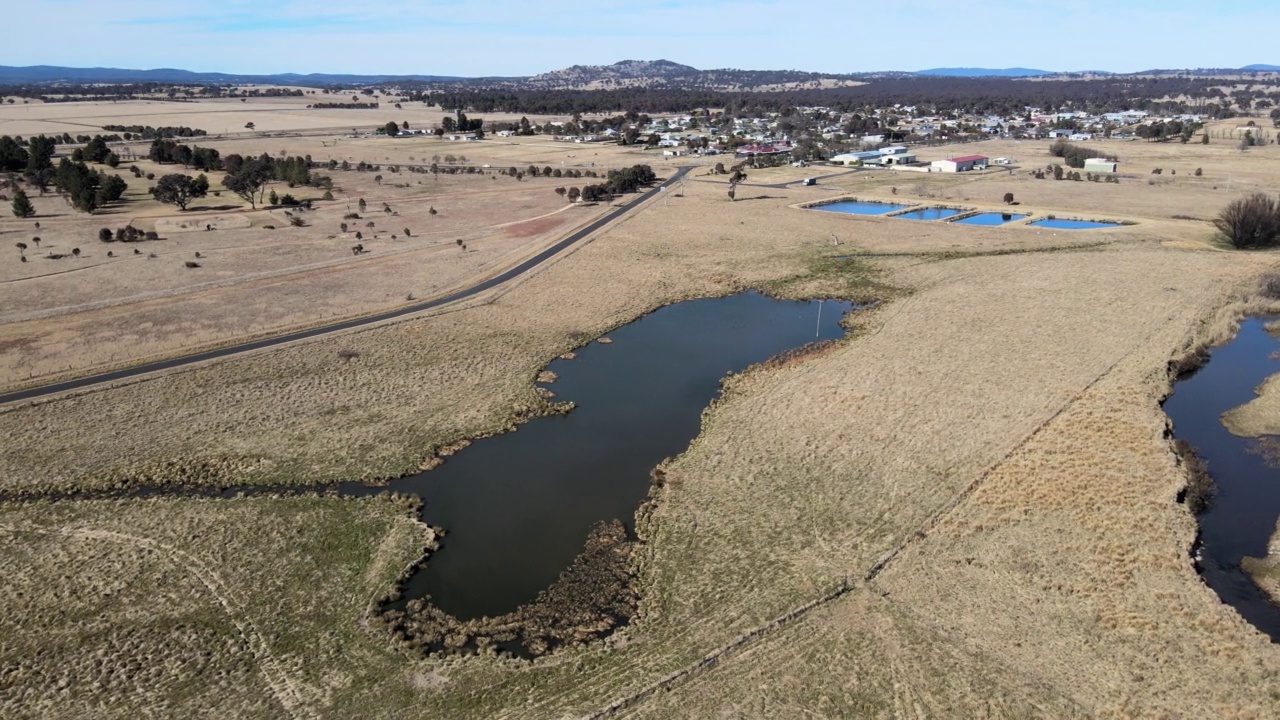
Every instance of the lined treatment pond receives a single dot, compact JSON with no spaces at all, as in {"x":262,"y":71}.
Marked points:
{"x":930,"y":213}
{"x":1242,"y":514}
{"x":989,"y":218}
{"x":1057,"y":224}
{"x":857,"y":207}
{"x":519,"y":507}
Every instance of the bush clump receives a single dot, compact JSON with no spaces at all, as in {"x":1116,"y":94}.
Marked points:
{"x":1075,"y":155}
{"x":1251,"y":222}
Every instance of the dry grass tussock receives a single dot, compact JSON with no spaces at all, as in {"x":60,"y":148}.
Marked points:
{"x":239,"y":608}
{"x":1265,"y":571}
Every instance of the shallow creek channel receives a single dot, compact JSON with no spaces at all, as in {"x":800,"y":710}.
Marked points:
{"x":1242,"y":515}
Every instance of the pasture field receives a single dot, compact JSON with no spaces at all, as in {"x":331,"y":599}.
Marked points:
{"x":967,"y":508}
{"x":258,"y":274}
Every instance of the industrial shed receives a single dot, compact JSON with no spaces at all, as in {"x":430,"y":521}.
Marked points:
{"x":1100,"y":165}
{"x":961,"y":164}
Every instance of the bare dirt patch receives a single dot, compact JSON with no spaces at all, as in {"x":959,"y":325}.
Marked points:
{"x":533,"y":228}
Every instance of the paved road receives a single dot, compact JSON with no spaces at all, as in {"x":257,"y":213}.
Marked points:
{"x":790,"y":184}
{"x":522,"y":268}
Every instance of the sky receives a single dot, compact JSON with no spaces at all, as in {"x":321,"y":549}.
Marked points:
{"x":514,"y":37}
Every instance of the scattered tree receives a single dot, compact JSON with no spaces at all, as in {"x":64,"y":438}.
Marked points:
{"x":1008,"y":198}
{"x":22,"y":206}
{"x":178,"y":189}
{"x":248,"y":180}
{"x":105,"y":235}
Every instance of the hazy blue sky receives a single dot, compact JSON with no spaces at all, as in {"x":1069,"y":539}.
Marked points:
{"x":510,"y":37}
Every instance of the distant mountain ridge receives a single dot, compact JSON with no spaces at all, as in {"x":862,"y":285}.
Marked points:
{"x":624,"y":74}
{"x":50,"y":74}
{"x":985,"y":72}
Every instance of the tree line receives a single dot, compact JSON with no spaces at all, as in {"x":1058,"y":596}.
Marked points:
{"x":146,"y":132}
{"x":1074,"y":155}
{"x":932,"y":95}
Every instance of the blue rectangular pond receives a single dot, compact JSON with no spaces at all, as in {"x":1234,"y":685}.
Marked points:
{"x":990,"y":218}
{"x":931,"y":213}
{"x":855,"y":207}
{"x":1072,"y":224}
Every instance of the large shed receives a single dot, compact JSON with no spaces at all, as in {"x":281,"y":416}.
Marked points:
{"x":1099,"y":165}
{"x":964,"y":163}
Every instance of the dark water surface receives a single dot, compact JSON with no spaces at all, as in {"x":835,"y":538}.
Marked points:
{"x":1242,"y":515}
{"x":518,"y":507}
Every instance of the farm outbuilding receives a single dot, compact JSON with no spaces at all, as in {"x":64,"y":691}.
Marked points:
{"x":961,"y":164}
{"x":1100,"y":165}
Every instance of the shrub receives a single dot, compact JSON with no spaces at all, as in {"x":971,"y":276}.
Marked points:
{"x":1270,"y":286}
{"x":1251,"y":222}
{"x":105,"y":235}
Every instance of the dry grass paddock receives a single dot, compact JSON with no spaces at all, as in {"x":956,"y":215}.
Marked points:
{"x":967,"y":508}
{"x":257,"y":273}
{"x":225,"y":116}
